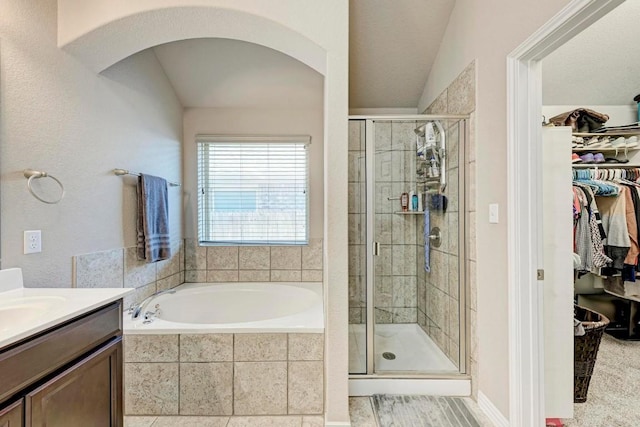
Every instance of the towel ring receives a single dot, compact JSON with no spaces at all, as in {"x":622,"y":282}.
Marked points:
{"x":31,"y":174}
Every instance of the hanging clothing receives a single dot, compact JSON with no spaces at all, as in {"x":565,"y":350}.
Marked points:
{"x":617,"y":243}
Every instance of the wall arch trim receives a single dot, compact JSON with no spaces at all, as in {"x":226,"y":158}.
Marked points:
{"x":113,"y":41}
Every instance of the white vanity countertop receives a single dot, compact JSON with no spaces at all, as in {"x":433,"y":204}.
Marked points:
{"x":27,"y":311}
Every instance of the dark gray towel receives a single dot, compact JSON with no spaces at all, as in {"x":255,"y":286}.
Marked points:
{"x":153,"y":219}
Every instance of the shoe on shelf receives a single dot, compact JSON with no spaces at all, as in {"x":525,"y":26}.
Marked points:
{"x":575,"y":158}
{"x":598,"y":158}
{"x":593,"y":142}
{"x":605,"y":142}
{"x":632,"y":141}
{"x":587,"y":158}
{"x":577,"y":139}
{"x":619,"y":142}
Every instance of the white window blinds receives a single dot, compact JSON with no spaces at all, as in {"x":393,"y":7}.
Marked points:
{"x":253,"y":190}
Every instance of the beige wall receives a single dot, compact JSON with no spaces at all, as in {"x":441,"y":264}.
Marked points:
{"x":60,"y":117}
{"x":255,"y":121}
{"x":488,"y":33}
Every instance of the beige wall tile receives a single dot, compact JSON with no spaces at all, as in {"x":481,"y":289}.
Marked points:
{"x":138,"y":295}
{"x":255,"y":257}
{"x":306,"y":346}
{"x":260,"y":347}
{"x":222,"y":258}
{"x":461,"y":95}
{"x":312,"y":255}
{"x":473,"y":291}
{"x":312,"y":421}
{"x":471,"y":150}
{"x":311,"y":275}
{"x":286,"y":258}
{"x":169,"y":282}
{"x":151,"y":388}
{"x":100,"y":269}
{"x":306,"y":387}
{"x":439,"y":105}
{"x":195,"y":276}
{"x":361,"y":412}
{"x":206,"y":388}
{"x":170,"y":266}
{"x":206,"y":347}
{"x":138,"y":421}
{"x":454,"y":282}
{"x":150,"y":348}
{"x":195,"y":257}
{"x":472,"y":236}
{"x":190,"y":421}
{"x":282,"y":421}
{"x":471,"y":195}
{"x":260,"y":388}
{"x":254,"y":276}
{"x":137,"y":273}
{"x":356,"y":137}
{"x":221,"y":276}
{"x":286,"y":276}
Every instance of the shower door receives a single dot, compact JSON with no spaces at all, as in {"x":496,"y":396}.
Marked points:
{"x":403,"y":319}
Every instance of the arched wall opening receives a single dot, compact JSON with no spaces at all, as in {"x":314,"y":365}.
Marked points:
{"x":101,"y":33}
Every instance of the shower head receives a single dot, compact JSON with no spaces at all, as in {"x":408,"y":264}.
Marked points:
{"x":420,"y":130}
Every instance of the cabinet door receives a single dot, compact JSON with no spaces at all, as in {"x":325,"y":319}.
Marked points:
{"x":89,"y":393}
{"x":11,"y":416}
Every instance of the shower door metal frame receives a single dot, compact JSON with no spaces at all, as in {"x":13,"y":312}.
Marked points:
{"x":464,"y":288}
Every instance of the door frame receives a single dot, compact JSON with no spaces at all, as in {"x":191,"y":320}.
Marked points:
{"x":524,"y":162}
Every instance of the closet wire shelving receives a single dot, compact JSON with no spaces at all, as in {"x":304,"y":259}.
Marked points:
{"x":617,"y":151}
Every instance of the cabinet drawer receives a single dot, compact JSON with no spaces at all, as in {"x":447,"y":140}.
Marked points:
{"x":12,"y":415}
{"x":27,"y":363}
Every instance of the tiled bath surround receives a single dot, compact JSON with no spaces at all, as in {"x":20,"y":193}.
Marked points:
{"x":121,"y":268}
{"x":253,"y":263}
{"x":224,"y":374}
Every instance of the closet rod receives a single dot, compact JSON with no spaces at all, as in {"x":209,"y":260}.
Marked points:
{"x":121,"y":172}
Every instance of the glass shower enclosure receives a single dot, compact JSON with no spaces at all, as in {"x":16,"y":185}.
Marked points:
{"x":407,"y":284}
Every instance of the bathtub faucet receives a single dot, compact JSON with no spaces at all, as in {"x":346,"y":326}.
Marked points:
{"x":137,"y":309}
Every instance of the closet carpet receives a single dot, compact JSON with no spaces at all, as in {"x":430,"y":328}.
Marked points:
{"x":614,"y":389}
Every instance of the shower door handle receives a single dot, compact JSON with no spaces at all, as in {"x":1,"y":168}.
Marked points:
{"x":376,"y":248}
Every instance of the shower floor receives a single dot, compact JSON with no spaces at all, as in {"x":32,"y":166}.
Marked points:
{"x":414,"y":350}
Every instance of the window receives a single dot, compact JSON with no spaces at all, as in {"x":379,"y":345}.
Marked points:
{"x":252,"y":190}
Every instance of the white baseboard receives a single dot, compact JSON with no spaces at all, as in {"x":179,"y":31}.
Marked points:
{"x":490,"y":410}
{"x":336,"y":424}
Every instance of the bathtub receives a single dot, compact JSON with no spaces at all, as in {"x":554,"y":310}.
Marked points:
{"x":200,"y":308}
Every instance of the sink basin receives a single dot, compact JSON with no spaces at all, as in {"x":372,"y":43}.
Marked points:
{"x":20,"y":311}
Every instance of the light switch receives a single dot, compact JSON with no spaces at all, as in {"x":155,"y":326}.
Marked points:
{"x":493,"y":213}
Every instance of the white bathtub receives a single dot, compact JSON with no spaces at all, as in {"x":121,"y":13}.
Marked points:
{"x":198,"y":308}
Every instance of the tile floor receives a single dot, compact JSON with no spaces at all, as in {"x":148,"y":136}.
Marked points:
{"x":235,"y":421}
{"x":413,"y":348}
{"x":360,"y":410}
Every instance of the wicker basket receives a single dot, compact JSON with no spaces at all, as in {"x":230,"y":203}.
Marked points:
{"x":586,"y":350}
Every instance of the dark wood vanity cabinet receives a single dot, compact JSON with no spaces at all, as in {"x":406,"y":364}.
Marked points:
{"x":69,"y":376}
{"x":12,"y":415}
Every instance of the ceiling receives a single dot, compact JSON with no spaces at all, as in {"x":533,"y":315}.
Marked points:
{"x":600,"y":66}
{"x":222,"y":73}
{"x":392,"y":47}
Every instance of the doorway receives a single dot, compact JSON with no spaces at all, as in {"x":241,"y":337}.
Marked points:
{"x":526,"y":271}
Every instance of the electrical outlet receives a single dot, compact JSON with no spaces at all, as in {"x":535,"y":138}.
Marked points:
{"x":32,"y":241}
